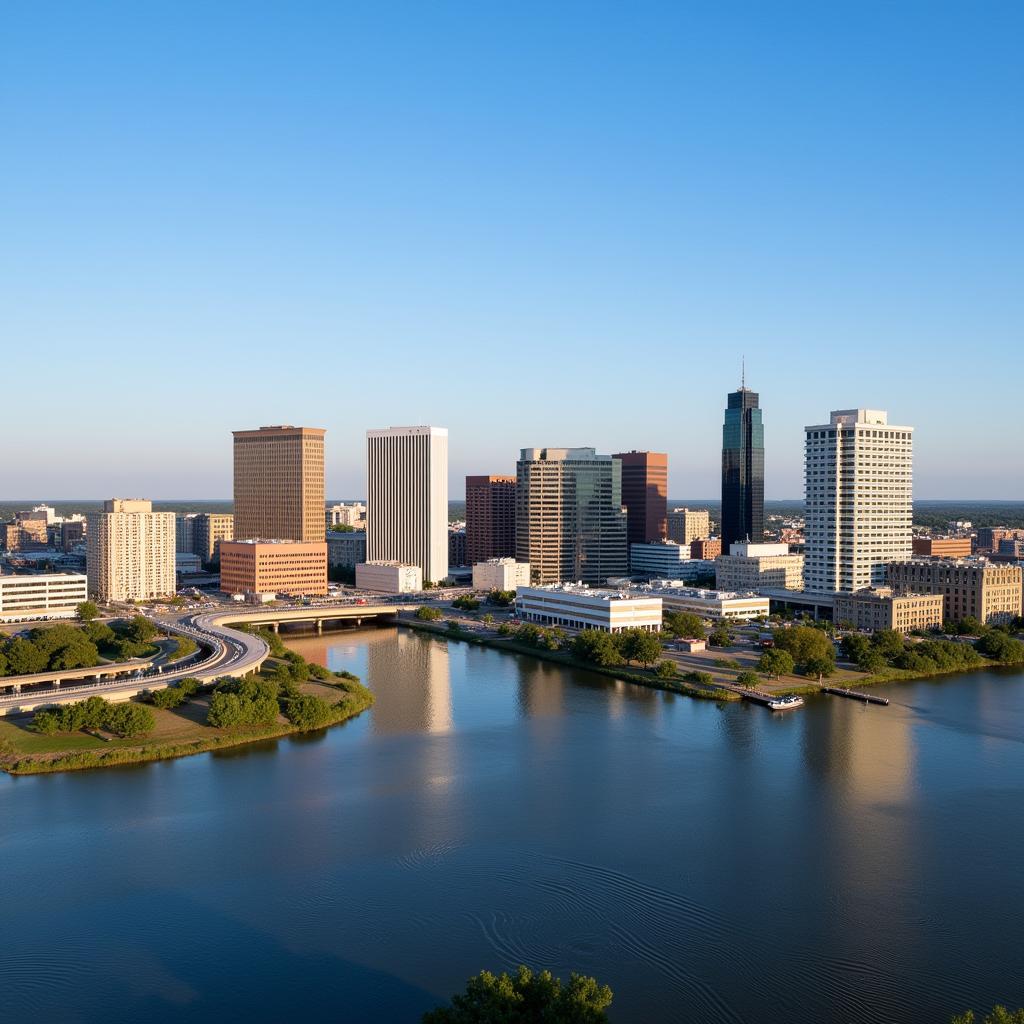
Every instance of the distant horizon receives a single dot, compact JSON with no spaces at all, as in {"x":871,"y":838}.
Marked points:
{"x":695,"y":501}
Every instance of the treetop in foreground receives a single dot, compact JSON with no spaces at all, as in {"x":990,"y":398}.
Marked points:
{"x":526,"y":998}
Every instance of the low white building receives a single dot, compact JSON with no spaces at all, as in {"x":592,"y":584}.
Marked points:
{"x":669,"y":560}
{"x":185,"y":561}
{"x":752,"y":566}
{"x":46,"y":596}
{"x":716,"y":605}
{"x":501,"y":574}
{"x":576,"y":606}
{"x":389,"y":577}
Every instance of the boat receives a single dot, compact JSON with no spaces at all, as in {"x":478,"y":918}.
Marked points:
{"x":785,"y":703}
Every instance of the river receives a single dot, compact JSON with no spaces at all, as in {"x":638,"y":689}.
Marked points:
{"x":710,"y":862}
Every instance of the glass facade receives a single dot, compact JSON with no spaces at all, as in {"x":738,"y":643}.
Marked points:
{"x":742,"y":470}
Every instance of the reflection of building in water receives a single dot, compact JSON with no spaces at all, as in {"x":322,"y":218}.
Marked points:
{"x":411,"y":679}
{"x":541,"y":688}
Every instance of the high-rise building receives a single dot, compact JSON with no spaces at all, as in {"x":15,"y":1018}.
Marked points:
{"x":688,"y":524}
{"x":279,"y":484}
{"x":490,"y":518}
{"x":407,"y":498}
{"x":858,"y":499}
{"x":185,"y":532}
{"x":645,"y":495}
{"x":210,"y":529}
{"x":130,"y":551}
{"x":742,"y":470}
{"x":570,"y":523}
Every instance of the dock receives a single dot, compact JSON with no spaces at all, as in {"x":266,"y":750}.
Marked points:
{"x":868,"y":698}
{"x":768,"y":700}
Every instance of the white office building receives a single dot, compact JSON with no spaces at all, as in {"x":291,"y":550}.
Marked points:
{"x":407,"y":498}
{"x":501,"y":574}
{"x":668,"y":559}
{"x":130,"y":551}
{"x":858,"y":499}
{"x":346,"y":514}
{"x":577,"y":606}
{"x":389,"y":577}
{"x":46,"y":596}
{"x":716,"y":605}
{"x":753,"y":566}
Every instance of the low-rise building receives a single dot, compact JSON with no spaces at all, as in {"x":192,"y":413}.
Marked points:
{"x":577,"y":606}
{"x":26,"y":532}
{"x":666,"y":558}
{"x":942,"y":547}
{"x":501,"y":574}
{"x":753,"y":566}
{"x":707,"y":548}
{"x":346,"y":514}
{"x":879,"y":608}
{"x":716,"y":605}
{"x":295,"y":568}
{"x":186,"y":562}
{"x":386,"y":577}
{"x":971,"y":587}
{"x":43,"y":596}
{"x":346,"y":550}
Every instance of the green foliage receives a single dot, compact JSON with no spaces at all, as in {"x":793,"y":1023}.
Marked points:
{"x":138,"y":629}
{"x":812,"y":651}
{"x":505,"y":629}
{"x":186,"y":648}
{"x":427,"y":613}
{"x":888,"y":643}
{"x":727,"y":663}
{"x":750,"y":680}
{"x":501,"y":598}
{"x":309,"y":712}
{"x":686,"y":625}
{"x":639,"y":645}
{"x":127,"y":720}
{"x":453,"y":626}
{"x":720,"y":636}
{"x":487,"y":618}
{"x":235,"y":710}
{"x":998,"y":1015}
{"x":175,"y":696}
{"x":86,"y":611}
{"x":466,"y":603}
{"x":342,"y":528}
{"x":526,"y":998}
{"x":969,"y":626}
{"x":665,"y":670}
{"x":23,"y":657}
{"x":700,"y":678}
{"x":99,"y":633}
{"x":598,"y":647}
{"x":938,"y":656}
{"x":776,"y":662}
{"x":1001,"y":647}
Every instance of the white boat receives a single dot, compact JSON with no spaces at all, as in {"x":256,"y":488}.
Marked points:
{"x":785,"y":703}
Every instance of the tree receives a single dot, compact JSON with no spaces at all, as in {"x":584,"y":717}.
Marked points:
{"x":426,"y":613}
{"x":502,"y":598}
{"x":129,"y":720}
{"x":968,"y":626}
{"x":665,"y":670}
{"x":98,"y":632}
{"x":808,"y":645}
{"x":526,"y":998}
{"x":1001,"y":647}
{"x":998,"y":1015}
{"x":720,"y":636}
{"x":776,"y":662}
{"x":748,"y":679}
{"x":308,"y":712}
{"x":466,"y":603}
{"x":87,"y":611}
{"x":888,"y":643}
{"x":23,"y":657}
{"x":821,"y":665}
{"x":686,"y":625}
{"x":855,"y":646}
{"x":638,"y":645}
{"x":138,"y":629}
{"x":597,"y":646}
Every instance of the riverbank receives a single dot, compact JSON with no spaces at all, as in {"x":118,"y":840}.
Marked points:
{"x":647,"y":677}
{"x":179,"y":732}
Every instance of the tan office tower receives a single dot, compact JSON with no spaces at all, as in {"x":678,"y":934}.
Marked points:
{"x":407,"y":498}
{"x":210,"y":529}
{"x":570,"y":523}
{"x":130,"y":551}
{"x":279,"y":484}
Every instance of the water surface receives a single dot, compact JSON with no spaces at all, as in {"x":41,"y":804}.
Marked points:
{"x":709,"y":862}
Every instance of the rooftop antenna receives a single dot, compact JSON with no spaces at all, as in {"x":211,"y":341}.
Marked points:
{"x":743,"y":373}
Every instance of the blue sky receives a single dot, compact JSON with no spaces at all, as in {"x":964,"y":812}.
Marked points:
{"x":535,"y":224}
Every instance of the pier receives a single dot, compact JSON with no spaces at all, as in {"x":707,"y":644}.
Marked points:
{"x":868,"y":698}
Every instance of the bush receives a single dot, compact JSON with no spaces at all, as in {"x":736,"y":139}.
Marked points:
{"x":233,"y":710}
{"x":750,"y":680}
{"x":665,"y":670}
{"x":426,"y":613}
{"x":129,"y":720}
{"x":309,"y":712}
{"x":466,"y":603}
{"x":686,"y":625}
{"x":727,"y":663}
{"x":720,"y":636}
{"x":86,"y":611}
{"x":501,"y":598}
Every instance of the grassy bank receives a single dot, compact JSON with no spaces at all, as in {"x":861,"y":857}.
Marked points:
{"x":179,"y":732}
{"x":629,"y":674}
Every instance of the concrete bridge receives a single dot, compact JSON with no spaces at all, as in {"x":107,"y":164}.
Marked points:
{"x":233,"y":652}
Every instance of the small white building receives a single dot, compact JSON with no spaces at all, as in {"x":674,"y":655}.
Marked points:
{"x":577,"y":606}
{"x":669,"y":560}
{"x":716,"y":605}
{"x":501,"y":574}
{"x":43,"y":596}
{"x":389,"y":577}
{"x":185,"y":561}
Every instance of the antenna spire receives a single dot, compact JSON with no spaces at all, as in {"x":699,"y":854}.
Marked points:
{"x":743,"y":373}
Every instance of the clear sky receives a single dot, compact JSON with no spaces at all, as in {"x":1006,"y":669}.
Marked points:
{"x":532,"y":223}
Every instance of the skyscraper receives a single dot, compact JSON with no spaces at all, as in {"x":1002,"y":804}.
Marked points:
{"x":742,"y":470}
{"x":858,"y":475}
{"x":130,"y":551}
{"x":490,"y":518}
{"x":570,"y":524}
{"x":645,"y":495}
{"x":407,"y":498}
{"x":279,"y":484}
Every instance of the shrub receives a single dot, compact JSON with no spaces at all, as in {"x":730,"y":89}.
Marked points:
{"x":750,"y":680}
{"x":665,"y":670}
{"x":466,"y":603}
{"x":309,"y":712}
{"x":426,"y":613}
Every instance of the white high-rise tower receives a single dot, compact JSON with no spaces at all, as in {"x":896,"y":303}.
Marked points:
{"x":407,"y":498}
{"x":858,"y":484}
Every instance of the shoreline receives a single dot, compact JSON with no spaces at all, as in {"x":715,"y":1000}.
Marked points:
{"x":632,"y":674}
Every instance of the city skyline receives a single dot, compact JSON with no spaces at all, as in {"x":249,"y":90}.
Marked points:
{"x":462,"y":192}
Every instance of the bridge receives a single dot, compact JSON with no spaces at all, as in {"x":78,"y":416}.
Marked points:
{"x":232,"y":652}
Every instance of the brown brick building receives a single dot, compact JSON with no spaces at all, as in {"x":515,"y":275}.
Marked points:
{"x":273,"y":567}
{"x":942,"y":547}
{"x":878,"y":608}
{"x":645,"y":495}
{"x":971,"y":587}
{"x":706,"y":547}
{"x":490,"y":518}
{"x":279,"y":484}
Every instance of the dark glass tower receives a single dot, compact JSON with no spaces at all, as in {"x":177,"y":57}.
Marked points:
{"x":742,"y":470}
